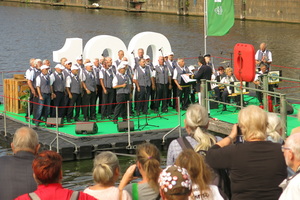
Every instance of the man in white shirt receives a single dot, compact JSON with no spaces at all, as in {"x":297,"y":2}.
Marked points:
{"x":122,"y":84}
{"x":263,"y":56}
{"x":291,"y":152}
{"x":143,"y":79}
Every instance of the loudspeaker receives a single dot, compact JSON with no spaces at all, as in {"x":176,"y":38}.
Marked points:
{"x":289,"y":109}
{"x":123,"y":126}
{"x":213,"y":105}
{"x":86,"y":128}
{"x":51,"y":122}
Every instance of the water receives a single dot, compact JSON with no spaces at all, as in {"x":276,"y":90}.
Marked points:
{"x":36,"y":30}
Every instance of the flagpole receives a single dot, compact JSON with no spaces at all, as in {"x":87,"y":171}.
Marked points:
{"x":205,"y":25}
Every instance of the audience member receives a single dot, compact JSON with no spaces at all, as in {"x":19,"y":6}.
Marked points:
{"x":105,"y":173}
{"x":201,"y":175}
{"x":148,"y":164}
{"x":295,"y":130}
{"x":274,"y":128}
{"x":196,"y":123}
{"x":256,"y":166}
{"x":47,"y":172}
{"x":16,"y":171}
{"x":291,"y":152}
{"x":175,"y":183}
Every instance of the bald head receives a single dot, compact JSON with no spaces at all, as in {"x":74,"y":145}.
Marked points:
{"x":25,"y":139}
{"x":263,"y":46}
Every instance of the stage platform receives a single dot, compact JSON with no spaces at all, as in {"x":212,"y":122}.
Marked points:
{"x":84,"y":146}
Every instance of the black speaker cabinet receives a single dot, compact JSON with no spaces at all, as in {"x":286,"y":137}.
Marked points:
{"x":123,"y":126}
{"x":213,"y":105}
{"x":51,"y":122}
{"x":86,"y":128}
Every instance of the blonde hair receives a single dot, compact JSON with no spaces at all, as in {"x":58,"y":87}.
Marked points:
{"x":197,"y":119}
{"x":149,"y":157}
{"x":196,"y":167}
{"x":274,"y":126}
{"x":228,"y":69}
{"x":105,"y":165}
{"x":253,"y":122}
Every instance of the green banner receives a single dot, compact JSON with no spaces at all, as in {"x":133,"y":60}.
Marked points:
{"x":220,"y":17}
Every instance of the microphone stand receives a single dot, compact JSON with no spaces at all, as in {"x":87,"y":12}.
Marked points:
{"x":146,"y":123}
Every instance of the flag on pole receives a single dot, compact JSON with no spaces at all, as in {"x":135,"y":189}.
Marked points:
{"x":220,"y":17}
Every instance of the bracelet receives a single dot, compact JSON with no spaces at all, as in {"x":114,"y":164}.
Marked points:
{"x":230,"y":138}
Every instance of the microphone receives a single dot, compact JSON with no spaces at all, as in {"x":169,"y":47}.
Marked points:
{"x":132,"y":52}
{"x":160,"y":49}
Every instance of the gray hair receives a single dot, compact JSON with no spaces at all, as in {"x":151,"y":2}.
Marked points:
{"x":293,"y":142}
{"x":95,"y":59}
{"x":25,"y":138}
{"x":105,"y":165}
{"x":274,"y":127}
{"x":36,"y":61}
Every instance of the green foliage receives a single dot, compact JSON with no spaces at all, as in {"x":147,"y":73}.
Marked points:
{"x":24,"y":98}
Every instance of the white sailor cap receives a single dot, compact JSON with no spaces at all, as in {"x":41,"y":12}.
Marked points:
{"x":88,"y":64}
{"x":146,"y":57}
{"x":74,"y":67}
{"x":122,"y":65}
{"x":44,"y":67}
{"x":191,"y":67}
{"x":79,"y":58}
{"x":59,"y":66}
{"x":68,"y":62}
{"x":171,"y":53}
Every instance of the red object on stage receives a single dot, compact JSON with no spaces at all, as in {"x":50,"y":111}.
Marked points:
{"x":270,"y":104}
{"x":244,"y":62}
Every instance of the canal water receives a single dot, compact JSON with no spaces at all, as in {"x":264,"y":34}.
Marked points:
{"x":31,"y":30}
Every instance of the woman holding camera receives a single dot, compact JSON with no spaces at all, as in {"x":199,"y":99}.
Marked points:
{"x":256,"y":166}
{"x":148,"y":165}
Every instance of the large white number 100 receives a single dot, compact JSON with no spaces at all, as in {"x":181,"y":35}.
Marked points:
{"x":96,"y":45}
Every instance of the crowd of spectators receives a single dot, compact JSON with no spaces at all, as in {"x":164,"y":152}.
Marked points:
{"x":258,"y":162}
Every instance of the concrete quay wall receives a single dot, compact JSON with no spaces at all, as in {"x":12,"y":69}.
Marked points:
{"x":262,"y":10}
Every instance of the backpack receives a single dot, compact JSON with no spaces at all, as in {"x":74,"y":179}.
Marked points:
{"x":34,"y":196}
{"x":221,"y":180}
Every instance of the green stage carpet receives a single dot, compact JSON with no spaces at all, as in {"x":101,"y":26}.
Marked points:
{"x":166,"y":121}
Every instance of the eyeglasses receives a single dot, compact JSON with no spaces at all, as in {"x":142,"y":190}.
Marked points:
{"x":284,"y":148}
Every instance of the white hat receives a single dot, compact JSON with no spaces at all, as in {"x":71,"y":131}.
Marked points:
{"x":122,"y":65}
{"x":191,"y":67}
{"x":88,"y":64}
{"x":146,"y":57}
{"x":44,"y":67}
{"x":171,"y":53}
{"x":79,"y":58}
{"x":59,"y":66}
{"x":74,"y":67}
{"x":68,"y":62}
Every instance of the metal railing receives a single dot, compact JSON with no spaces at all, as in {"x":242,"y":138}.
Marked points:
{"x":283,"y":98}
